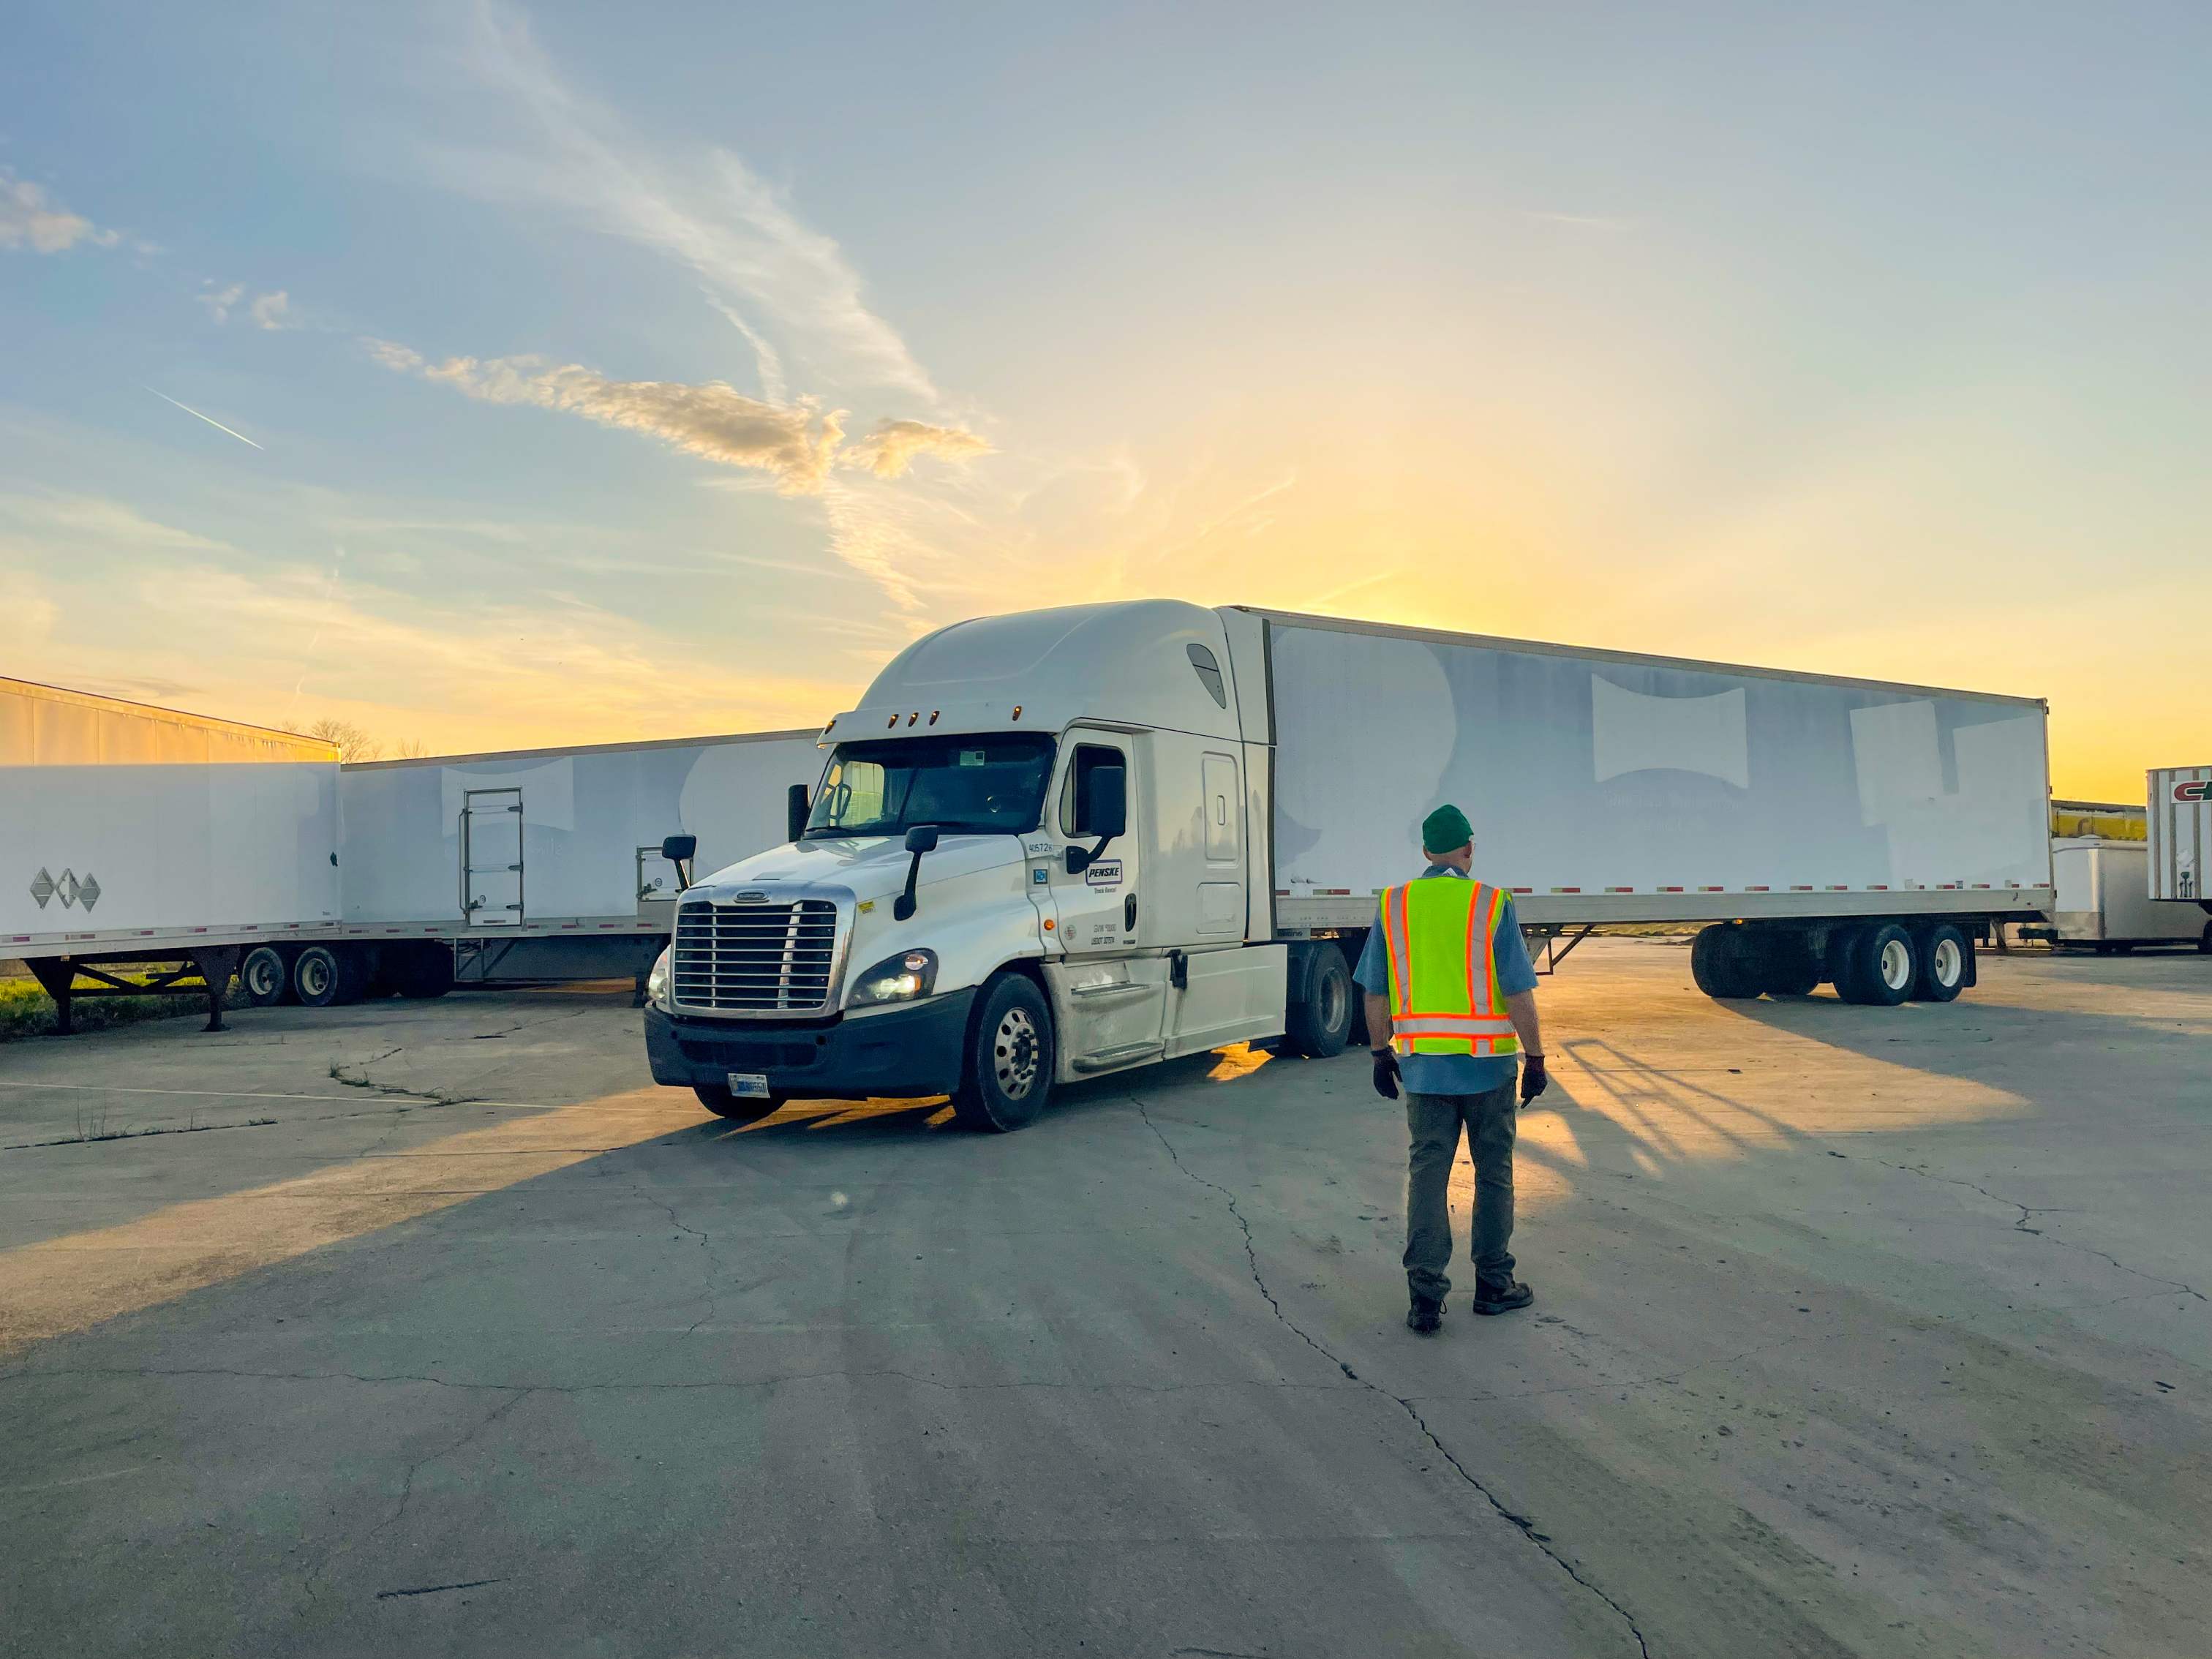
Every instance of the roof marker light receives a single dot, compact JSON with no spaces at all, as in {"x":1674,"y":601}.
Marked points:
{"x":932,"y":717}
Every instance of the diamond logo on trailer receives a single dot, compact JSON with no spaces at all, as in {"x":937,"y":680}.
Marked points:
{"x":67,"y":887}
{"x":87,"y":892}
{"x":2200,"y":790}
{"x":42,"y":887}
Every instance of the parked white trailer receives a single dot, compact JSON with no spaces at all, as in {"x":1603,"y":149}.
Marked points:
{"x":2179,"y":805}
{"x":132,"y":834}
{"x":256,"y":851}
{"x":2103,"y":903}
{"x":547,"y":863}
{"x":1061,"y":843}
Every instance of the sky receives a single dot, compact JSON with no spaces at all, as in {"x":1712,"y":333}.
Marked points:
{"x":493,"y":376}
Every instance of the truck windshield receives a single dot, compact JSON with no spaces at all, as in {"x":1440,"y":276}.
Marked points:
{"x":975,"y":785}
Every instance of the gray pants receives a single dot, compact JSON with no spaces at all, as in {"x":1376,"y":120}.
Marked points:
{"x":1432,"y":1125}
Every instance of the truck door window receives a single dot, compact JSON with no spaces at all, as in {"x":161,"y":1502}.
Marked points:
{"x":1089,"y":758}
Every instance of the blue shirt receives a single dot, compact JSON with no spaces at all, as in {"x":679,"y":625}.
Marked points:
{"x":1454,"y":1074}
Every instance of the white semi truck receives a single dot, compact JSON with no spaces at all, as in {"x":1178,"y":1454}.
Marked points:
{"x":1059,"y":844}
{"x":192,"y":848}
{"x":2179,"y":851}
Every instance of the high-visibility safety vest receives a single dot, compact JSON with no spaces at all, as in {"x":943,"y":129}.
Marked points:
{"x":1444,"y":997}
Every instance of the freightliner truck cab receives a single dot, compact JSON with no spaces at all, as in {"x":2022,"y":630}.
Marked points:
{"x":1039,"y":853}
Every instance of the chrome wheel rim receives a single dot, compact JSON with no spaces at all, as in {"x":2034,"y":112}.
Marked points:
{"x":1335,"y":1004}
{"x":1014,"y":1050}
{"x":1950,"y":963}
{"x":1896,"y":964}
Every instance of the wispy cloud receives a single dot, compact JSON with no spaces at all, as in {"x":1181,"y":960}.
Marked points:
{"x":888,"y":450}
{"x":272,"y":311}
{"x":710,"y":211}
{"x":29,"y":218}
{"x":795,"y":444}
{"x":210,"y":419}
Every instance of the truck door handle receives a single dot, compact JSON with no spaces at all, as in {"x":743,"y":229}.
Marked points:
{"x":1129,"y":914}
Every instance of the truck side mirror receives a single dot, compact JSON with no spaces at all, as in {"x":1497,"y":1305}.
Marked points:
{"x":795,"y":809}
{"x":680,"y":850}
{"x":923,"y":838}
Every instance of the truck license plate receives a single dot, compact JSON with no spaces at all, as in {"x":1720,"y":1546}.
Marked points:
{"x":749,"y":1085}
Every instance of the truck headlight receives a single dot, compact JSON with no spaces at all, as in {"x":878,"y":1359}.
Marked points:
{"x":901,"y":978}
{"x":656,"y":982}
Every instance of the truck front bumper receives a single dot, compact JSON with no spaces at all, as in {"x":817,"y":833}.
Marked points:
{"x":893,"y":1052}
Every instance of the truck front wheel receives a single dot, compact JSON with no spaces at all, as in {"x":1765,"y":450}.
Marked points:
{"x":1008,"y":1075}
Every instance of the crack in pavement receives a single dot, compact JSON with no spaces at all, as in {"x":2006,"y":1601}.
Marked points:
{"x":1523,"y":1524}
{"x":709,"y":1262}
{"x":312,"y":1583}
{"x":2020,"y":1225}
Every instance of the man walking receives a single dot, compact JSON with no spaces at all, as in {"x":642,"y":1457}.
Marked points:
{"x":1451,"y":1004}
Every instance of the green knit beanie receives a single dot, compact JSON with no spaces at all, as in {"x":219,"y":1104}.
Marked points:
{"x":1445,"y":830}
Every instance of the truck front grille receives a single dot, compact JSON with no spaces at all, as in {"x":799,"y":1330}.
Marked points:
{"x":756,"y":958}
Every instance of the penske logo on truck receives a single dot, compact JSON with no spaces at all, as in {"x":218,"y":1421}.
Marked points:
{"x":2199,"y":790}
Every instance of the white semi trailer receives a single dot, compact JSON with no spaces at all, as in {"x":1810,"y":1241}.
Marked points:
{"x":193,"y":848}
{"x":1055,"y":845}
{"x":2179,"y":863}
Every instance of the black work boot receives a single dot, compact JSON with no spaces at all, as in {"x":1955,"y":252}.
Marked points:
{"x":1502,"y":1298}
{"x":1425,"y":1315}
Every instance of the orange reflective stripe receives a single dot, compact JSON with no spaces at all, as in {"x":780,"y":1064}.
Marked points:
{"x":1394,"y":926}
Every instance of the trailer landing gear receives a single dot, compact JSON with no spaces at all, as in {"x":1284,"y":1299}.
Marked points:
{"x":205,"y":972}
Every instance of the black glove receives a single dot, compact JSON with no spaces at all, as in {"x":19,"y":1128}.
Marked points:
{"x":1386,"y":1074}
{"x":1533,"y":1077}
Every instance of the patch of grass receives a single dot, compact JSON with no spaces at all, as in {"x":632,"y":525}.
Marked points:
{"x":26,"y":1010}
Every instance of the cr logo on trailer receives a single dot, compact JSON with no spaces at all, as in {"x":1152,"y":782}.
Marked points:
{"x":2199,"y":790}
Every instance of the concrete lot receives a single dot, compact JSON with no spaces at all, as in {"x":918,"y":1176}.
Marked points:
{"x":1857,"y":1332}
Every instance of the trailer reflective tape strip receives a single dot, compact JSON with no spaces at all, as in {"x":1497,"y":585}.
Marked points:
{"x":1805,"y":888}
{"x":1522,"y":889}
{"x":1566,"y":889}
{"x":1620,"y":890}
{"x":1669,"y":889}
{"x":1757,"y":890}
{"x":1833,"y":888}
{"x":1713,"y":889}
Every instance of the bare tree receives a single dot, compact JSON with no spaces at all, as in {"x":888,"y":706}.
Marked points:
{"x":411,"y":749}
{"x":352,"y":743}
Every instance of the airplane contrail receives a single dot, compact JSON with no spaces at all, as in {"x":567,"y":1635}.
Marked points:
{"x":210,"y":419}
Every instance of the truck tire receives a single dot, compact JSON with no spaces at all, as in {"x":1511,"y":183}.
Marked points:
{"x":1877,"y":965}
{"x":1007,"y":1079}
{"x":265,"y":977}
{"x":1943,"y":961}
{"x":424,"y":971}
{"x":327,"y":976}
{"x":1318,"y":1022}
{"x":1788,"y":965}
{"x":2204,"y":939}
{"x":717,"y":1099}
{"x":1722,"y":965}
